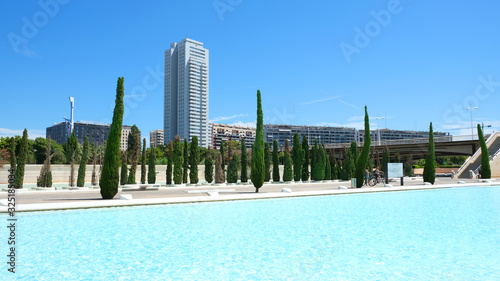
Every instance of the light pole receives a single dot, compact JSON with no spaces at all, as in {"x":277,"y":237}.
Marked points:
{"x":378,"y":128}
{"x":471,"y":126}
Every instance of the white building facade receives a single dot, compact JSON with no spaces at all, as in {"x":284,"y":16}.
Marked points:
{"x":186,"y":92}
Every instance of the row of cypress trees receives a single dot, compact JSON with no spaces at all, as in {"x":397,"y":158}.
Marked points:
{"x":260,"y":162}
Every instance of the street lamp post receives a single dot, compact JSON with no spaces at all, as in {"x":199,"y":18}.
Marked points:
{"x":471,"y":126}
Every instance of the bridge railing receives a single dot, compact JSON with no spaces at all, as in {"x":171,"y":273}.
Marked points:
{"x":406,"y":141}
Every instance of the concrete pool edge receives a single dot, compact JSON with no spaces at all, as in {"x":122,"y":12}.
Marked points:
{"x":205,"y":198}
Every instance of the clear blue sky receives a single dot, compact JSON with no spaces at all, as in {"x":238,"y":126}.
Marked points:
{"x":316,"y":62}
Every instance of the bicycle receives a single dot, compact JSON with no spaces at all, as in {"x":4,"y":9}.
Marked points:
{"x":374,"y":180}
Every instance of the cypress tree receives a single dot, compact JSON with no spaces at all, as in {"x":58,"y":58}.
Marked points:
{"x":45,"y":178}
{"x":408,"y":168}
{"x":319,"y":165}
{"x":258,"y":165}
{"x":287,"y":169}
{"x":219,"y":173}
{"x":80,"y":182}
{"x":298,"y":158}
{"x":314,"y":161}
{"x":386,"y":158}
{"x":328,"y":167}
{"x":123,"y":174}
{"x":94,"y":173}
{"x":267,"y":160}
{"x":12,"y":151}
{"x":244,"y":161}
{"x":193,"y":161}
{"x":223,"y":157}
{"x":430,"y":161}
{"x":354,"y":158}
{"x":110,"y":176}
{"x":350,"y":166}
{"x":170,"y":160}
{"x":232,"y":170}
{"x":71,"y":146}
{"x":152,"y":166}
{"x":72,"y":169}
{"x":485,"y":155}
{"x":185,"y":163}
{"x":21,"y":160}
{"x":397,"y":157}
{"x":276,"y":167}
{"x":365,"y":153}
{"x":334,"y":168}
{"x":143,"y":162}
{"x":177,"y":157}
{"x":305,"y":166}
{"x":209,"y":167}
{"x":354,"y":154}
{"x":134,"y":149}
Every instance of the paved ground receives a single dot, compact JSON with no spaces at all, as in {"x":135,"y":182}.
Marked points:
{"x":65,"y":199}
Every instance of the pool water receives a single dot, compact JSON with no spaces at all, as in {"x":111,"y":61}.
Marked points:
{"x":447,"y":234}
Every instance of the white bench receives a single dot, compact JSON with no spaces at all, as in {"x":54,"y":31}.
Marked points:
{"x":210,"y":192}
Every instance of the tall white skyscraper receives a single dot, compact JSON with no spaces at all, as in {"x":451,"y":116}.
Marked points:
{"x":186,"y":92}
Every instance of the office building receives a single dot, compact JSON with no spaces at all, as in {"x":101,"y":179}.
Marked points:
{"x":221,"y":132}
{"x":96,"y":133}
{"x":327,"y":135}
{"x":186,"y":92}
{"x":155,"y":138}
{"x":340,"y":135}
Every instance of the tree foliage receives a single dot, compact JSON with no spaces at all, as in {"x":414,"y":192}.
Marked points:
{"x":258,"y":165}
{"x":232,"y":170}
{"x":143,"y":162}
{"x":386,"y":158}
{"x":276,"y":168}
{"x":485,"y":155}
{"x":408,"y":166}
{"x":170,"y":162}
{"x":80,"y":182}
{"x":110,"y":176}
{"x":209,"y":167}
{"x":219,"y":173}
{"x":305,"y":165}
{"x":298,"y":157}
{"x":21,"y":160}
{"x":319,"y":160}
{"x":185,"y":163}
{"x":365,"y":153}
{"x":13,"y":158}
{"x":244,"y":162}
{"x":152,"y":166}
{"x":134,"y":150}
{"x":328,"y":167}
{"x":223,"y":156}
{"x":429,"y":174}
{"x":93,"y":180}
{"x":267,"y":160}
{"x":177,"y":156}
{"x":45,"y":178}
{"x":287,"y":169}
{"x":124,"y":169}
{"x":193,"y":161}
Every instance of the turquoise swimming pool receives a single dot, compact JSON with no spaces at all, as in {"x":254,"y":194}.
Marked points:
{"x":447,"y":234}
